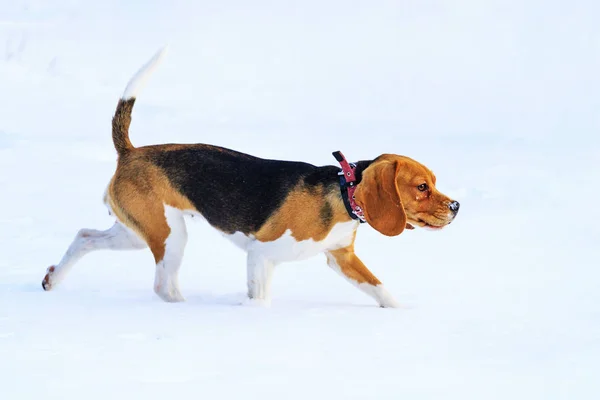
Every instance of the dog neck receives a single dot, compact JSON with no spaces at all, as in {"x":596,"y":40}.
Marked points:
{"x":349,"y":178}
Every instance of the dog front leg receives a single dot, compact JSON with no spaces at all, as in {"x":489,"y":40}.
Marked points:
{"x":347,"y":264}
{"x":260,"y":275}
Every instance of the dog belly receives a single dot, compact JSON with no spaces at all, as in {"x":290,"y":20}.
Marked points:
{"x":287,"y":248}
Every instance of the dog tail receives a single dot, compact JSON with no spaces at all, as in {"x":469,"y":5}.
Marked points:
{"x":122,"y":118}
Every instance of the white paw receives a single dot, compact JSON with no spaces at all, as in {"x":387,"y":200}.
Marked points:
{"x":381,"y":295}
{"x":385,"y":299}
{"x":172,"y":295}
{"x":389,"y":303}
{"x":50,"y":279}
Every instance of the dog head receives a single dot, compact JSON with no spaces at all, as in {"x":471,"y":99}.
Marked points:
{"x":397,"y":192}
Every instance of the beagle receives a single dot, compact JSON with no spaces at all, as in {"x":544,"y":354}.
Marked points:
{"x":276,"y":211}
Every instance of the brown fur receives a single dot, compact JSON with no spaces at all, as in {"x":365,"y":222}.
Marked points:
{"x":309,"y":214}
{"x":351,"y":266}
{"x":120,"y":125}
{"x":137,"y":194}
{"x":389,"y":196}
{"x":379,"y":197}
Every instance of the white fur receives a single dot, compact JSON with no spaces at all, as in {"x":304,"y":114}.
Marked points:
{"x":380,"y":294}
{"x":287,"y":248}
{"x":118,"y":237}
{"x":259,"y":278}
{"x":166,"y":280}
{"x":377,"y":292}
{"x":139,"y":79}
{"x":240,"y":240}
{"x":264,"y":256}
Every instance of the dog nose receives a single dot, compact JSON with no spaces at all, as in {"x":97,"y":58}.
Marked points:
{"x":454,"y":206}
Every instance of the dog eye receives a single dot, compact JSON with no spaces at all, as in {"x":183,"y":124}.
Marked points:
{"x":423,"y":187}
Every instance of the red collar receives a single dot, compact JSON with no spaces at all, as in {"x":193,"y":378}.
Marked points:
{"x":348,"y":186}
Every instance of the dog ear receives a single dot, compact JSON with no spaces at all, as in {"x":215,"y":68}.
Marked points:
{"x":378,"y":195}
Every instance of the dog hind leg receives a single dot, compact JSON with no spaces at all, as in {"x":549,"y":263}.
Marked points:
{"x":118,"y":237}
{"x":168,"y":254}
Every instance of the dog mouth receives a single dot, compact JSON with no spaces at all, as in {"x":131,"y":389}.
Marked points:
{"x":427,"y":225}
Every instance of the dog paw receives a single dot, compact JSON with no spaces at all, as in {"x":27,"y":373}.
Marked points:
{"x":390,"y":303}
{"x":384,"y":298}
{"x":47,"y":281}
{"x":171,"y":296}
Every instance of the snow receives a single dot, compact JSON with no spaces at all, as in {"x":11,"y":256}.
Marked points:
{"x":499,"y":98}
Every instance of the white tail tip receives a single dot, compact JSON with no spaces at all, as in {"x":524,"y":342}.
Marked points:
{"x":139,"y":79}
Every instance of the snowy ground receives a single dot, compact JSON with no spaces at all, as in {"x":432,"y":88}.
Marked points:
{"x":499,"y":98}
